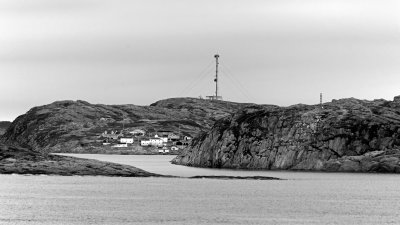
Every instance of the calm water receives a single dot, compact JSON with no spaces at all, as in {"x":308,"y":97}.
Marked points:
{"x":305,"y":198}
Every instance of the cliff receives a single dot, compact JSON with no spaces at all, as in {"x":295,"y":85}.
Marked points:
{"x":4,"y":126}
{"x":19,"y":160}
{"x":345,"y":135}
{"x":75,"y":126}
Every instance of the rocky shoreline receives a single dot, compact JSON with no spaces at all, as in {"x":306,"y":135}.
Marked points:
{"x":17,"y":160}
{"x":235,"y":177}
{"x":347,"y":135}
{"x":23,"y":161}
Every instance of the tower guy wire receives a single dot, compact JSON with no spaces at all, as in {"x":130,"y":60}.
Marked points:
{"x":197,"y":79}
{"x":236,"y":86}
{"x":240,"y":86}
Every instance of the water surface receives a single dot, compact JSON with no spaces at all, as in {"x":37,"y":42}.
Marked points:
{"x":305,"y":198}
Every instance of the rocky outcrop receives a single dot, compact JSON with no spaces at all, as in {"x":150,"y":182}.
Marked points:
{"x":19,"y":160}
{"x":345,"y":135}
{"x":75,"y":126}
{"x":4,"y":126}
{"x":201,"y":108}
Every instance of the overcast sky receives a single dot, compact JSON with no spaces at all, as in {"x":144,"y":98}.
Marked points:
{"x":279,"y":52}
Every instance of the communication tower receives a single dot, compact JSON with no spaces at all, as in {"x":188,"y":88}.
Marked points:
{"x":320,"y":100}
{"x":216,"y":96}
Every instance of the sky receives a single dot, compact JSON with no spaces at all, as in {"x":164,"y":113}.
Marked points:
{"x":280,"y":52}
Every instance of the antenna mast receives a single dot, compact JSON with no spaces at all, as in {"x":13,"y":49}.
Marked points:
{"x":320,"y":100}
{"x":216,"y":96}
{"x":216,"y":76}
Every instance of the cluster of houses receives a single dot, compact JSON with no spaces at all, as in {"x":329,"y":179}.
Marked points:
{"x":164,"y":140}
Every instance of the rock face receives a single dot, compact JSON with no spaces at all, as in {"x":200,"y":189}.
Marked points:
{"x":345,"y":135}
{"x":4,"y":126}
{"x":25,"y":161}
{"x":73,"y":126}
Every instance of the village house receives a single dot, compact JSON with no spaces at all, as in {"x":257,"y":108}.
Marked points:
{"x":156,"y":141}
{"x":173,"y":137}
{"x":112,"y":135}
{"x":138,"y":132}
{"x":106,"y":142}
{"x":163,"y":150}
{"x":120,"y":145}
{"x":187,"y":138}
{"x":127,"y":140}
{"x":164,"y":138}
{"x":145,"y":142}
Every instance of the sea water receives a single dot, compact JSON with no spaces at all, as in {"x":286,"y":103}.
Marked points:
{"x":302,"y":198}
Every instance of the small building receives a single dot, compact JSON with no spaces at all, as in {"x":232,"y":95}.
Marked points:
{"x":127,"y":140}
{"x":163,"y":150}
{"x":106,"y":142}
{"x":138,"y":132}
{"x":120,"y":145}
{"x":174,"y":148}
{"x":156,"y":141}
{"x":187,"y":138}
{"x":164,"y":138}
{"x":112,"y":134}
{"x":145,"y":142}
{"x":173,"y":137}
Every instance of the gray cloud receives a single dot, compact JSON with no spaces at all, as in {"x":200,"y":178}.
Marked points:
{"x":279,"y":52}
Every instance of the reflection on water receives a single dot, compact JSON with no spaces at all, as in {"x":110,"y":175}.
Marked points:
{"x":161,"y":164}
{"x":305,"y":198}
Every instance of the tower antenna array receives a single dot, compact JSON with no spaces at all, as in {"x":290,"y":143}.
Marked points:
{"x":216,"y":75}
{"x":216,"y":96}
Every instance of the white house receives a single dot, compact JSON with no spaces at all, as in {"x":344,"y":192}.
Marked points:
{"x":156,"y":141}
{"x":145,"y":142}
{"x":120,"y":146}
{"x":163,"y":150}
{"x":163,"y":138}
{"x":127,"y":140}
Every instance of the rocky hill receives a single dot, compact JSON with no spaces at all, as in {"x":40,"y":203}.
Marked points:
{"x":66,"y":126}
{"x":345,"y":135}
{"x":17,"y":160}
{"x":3,"y":126}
